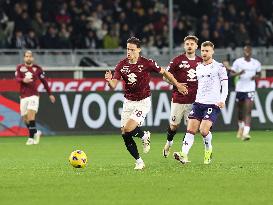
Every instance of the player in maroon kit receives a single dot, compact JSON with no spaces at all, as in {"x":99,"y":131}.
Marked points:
{"x":135,"y":72}
{"x":27,"y":75}
{"x":183,"y":68}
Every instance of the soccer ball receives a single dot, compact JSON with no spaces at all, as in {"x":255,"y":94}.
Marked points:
{"x":78,"y":159}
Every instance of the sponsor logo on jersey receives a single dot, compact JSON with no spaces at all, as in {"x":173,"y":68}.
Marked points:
{"x":184,"y":64}
{"x":125,"y":69}
{"x":23,"y":69}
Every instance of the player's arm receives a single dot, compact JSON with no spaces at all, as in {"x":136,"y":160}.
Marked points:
{"x":224,"y":93}
{"x":255,"y":77}
{"x":109,"y":78}
{"x":235,"y":69}
{"x":182,"y":87}
{"x":234,"y":73}
{"x":170,"y":68}
{"x":224,"y":86}
{"x":45,"y":83}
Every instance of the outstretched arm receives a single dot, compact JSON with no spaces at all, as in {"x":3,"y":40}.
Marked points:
{"x":45,"y":83}
{"x":182,"y":87}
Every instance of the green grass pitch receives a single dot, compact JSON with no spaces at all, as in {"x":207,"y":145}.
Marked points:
{"x":241,"y":172}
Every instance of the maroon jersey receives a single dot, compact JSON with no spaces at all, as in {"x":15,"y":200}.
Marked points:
{"x":34,"y":72}
{"x":136,"y":77}
{"x":184,"y":70}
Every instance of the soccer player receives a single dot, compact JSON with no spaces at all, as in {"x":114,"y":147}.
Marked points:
{"x":248,"y":69}
{"x":27,"y":75}
{"x":135,"y":72}
{"x":210,"y":98}
{"x":183,"y":67}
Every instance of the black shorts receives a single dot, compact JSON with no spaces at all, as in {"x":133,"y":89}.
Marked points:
{"x":242,"y":96}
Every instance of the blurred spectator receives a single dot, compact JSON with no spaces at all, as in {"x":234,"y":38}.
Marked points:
{"x":91,"y":40}
{"x":32,"y":42}
{"x":179,"y":33}
{"x":64,"y":38}
{"x":241,"y":36}
{"x":38,"y":25}
{"x":111,"y":40}
{"x":18,"y":41}
{"x":50,"y":39}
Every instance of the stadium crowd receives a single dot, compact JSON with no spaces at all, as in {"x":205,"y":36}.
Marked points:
{"x":108,"y":23}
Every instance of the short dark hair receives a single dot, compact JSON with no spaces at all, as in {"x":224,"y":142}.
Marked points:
{"x":134,"y":40}
{"x":207,"y":43}
{"x":191,"y":37}
{"x":28,"y":51}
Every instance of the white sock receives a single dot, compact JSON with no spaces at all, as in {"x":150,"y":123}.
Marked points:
{"x":139,"y":160}
{"x":246,"y":130}
{"x":170,"y":143}
{"x":207,"y":141}
{"x":187,"y":143}
{"x":241,"y":124}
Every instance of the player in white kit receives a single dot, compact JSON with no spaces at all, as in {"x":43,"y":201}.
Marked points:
{"x":210,"y":98}
{"x":248,"y":69}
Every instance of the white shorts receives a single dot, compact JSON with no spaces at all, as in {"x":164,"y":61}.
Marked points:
{"x":135,"y":110}
{"x":29,"y":103}
{"x":178,"y":111}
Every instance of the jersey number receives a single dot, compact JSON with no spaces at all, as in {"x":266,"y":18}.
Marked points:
{"x":209,"y":110}
{"x":138,"y":113}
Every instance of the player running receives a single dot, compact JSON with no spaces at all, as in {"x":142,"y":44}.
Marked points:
{"x":183,"y":68}
{"x":27,"y":75}
{"x":210,"y":98}
{"x":135,"y":72}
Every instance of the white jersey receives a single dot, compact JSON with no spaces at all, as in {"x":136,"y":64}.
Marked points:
{"x":245,"y":83}
{"x":210,"y":78}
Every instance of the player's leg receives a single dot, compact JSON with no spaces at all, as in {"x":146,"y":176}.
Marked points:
{"x":32,"y":109}
{"x":131,"y":118}
{"x":207,"y":139}
{"x":187,"y":110}
{"x":248,"y":105}
{"x":210,"y":116}
{"x":175,"y":119}
{"x":24,"y":110}
{"x":195,"y":117}
{"x":188,"y":140}
{"x":240,"y":109}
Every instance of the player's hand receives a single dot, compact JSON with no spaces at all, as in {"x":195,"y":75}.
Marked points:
{"x":220,"y":104}
{"x":52,"y":98}
{"x":182,"y":88}
{"x":108,"y":75}
{"x":27,"y":80}
{"x":242,"y":72}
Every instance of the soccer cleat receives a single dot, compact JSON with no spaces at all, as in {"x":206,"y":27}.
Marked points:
{"x":139,"y":165}
{"x":246,"y":137}
{"x":30,"y":141}
{"x":179,"y":156}
{"x":37,"y":136}
{"x":240,"y":133}
{"x":146,"y":141}
{"x":208,"y":156}
{"x":166,"y":150}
